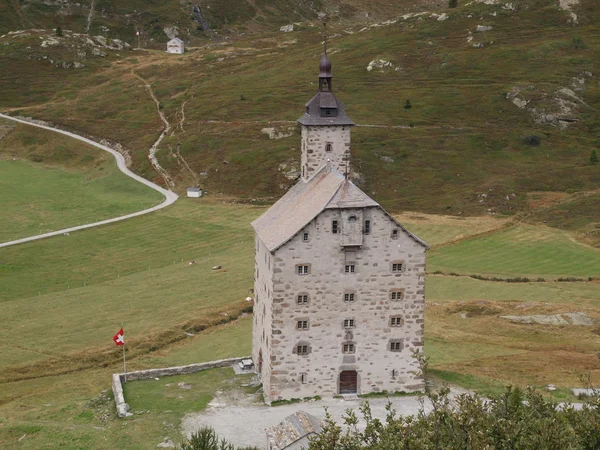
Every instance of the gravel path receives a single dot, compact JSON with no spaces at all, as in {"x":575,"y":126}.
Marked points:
{"x":170,"y":196}
{"x":244,"y":425}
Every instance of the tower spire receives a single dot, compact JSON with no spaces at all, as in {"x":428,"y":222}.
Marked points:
{"x":325,"y":76}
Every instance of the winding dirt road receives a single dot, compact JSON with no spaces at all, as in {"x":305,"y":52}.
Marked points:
{"x":170,"y":196}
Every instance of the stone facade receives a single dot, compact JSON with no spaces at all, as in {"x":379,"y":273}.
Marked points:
{"x":339,"y":284}
{"x":323,"y":143}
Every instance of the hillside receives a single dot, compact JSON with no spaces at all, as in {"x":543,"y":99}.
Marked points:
{"x":215,"y":19}
{"x":504,"y":105}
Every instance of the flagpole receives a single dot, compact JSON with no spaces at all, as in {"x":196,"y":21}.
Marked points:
{"x":124,"y":363}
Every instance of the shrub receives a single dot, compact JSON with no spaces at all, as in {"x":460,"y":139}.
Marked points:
{"x":532,"y":140}
{"x":578,"y":43}
{"x":594,"y":157}
{"x":408,"y":104}
{"x":207,"y":439}
{"x":452,"y":3}
{"x":59,"y":31}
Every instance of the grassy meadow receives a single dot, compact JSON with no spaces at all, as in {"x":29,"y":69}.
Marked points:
{"x":65,"y":297}
{"x":49,"y":182}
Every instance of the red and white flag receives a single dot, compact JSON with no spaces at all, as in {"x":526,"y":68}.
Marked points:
{"x":119,"y":338}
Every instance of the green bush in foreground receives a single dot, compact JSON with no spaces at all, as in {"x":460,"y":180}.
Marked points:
{"x":594,"y":157}
{"x":207,"y":439}
{"x":517,"y":419}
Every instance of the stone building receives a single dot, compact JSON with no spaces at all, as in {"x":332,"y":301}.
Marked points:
{"x":339,"y":283}
{"x":176,"y":46}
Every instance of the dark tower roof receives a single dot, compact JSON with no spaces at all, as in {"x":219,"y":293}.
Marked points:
{"x":324,"y":108}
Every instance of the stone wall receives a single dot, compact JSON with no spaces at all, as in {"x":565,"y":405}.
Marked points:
{"x":118,"y":378}
{"x":261,"y":329}
{"x":372,"y":283}
{"x":314,"y":142}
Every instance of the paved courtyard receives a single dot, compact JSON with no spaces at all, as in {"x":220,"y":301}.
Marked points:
{"x":242,"y":422}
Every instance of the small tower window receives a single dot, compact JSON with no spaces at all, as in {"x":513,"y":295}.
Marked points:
{"x":305,"y":236}
{"x":302,"y":349}
{"x":328,"y":147}
{"x":397,"y":267}
{"x":395,"y":233}
{"x":334,"y":226}
{"x":327,"y":112}
{"x":350,"y":268}
{"x":348,"y":323}
{"x":352,"y":219}
{"x":348,"y":348}
{"x":349,"y":297}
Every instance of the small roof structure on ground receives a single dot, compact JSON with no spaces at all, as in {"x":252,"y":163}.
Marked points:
{"x":292,"y":429}
{"x":196,"y":189}
{"x":176,"y":40}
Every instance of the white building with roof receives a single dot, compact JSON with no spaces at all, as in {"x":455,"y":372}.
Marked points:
{"x":176,"y":46}
{"x":339,"y":283}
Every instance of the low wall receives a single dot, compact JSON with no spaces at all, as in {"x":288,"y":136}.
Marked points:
{"x":118,"y":378}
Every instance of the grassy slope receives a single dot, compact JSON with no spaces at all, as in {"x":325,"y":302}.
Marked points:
{"x":466,"y":140}
{"x":49,"y":182}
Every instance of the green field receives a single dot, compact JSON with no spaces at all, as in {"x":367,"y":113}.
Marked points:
{"x":49,"y":182}
{"x":520,"y":251}
{"x":65,"y":297}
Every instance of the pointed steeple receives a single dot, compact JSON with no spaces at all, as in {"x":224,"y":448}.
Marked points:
{"x":325,"y":75}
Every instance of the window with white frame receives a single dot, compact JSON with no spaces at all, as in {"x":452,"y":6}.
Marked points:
{"x":349,"y":297}
{"x":396,"y":321}
{"x":302,"y":299}
{"x":302,"y":324}
{"x":348,"y":323}
{"x":302,"y":269}
{"x":396,"y":345}
{"x":348,"y":347}
{"x":396,"y":294}
{"x":349,"y":268}
{"x":397,"y":266}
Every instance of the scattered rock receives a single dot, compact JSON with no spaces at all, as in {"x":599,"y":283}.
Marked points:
{"x":382,"y":65}
{"x":478,"y":45}
{"x":483,"y":28}
{"x":578,"y":392}
{"x":157,"y":379}
{"x":166,"y":443}
{"x":551,"y":387}
{"x":440,"y":17}
{"x":290,"y":170}
{"x":276,"y":134}
{"x":184,"y":386}
{"x":171,"y":32}
{"x":216,"y":267}
{"x":287,"y":28}
{"x":577,"y":318}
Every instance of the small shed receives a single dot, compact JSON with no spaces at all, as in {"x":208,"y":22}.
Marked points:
{"x":293,"y":433}
{"x":175,"y":45}
{"x":194,"y":192}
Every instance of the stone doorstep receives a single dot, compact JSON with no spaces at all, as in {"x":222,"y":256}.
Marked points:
{"x":350,"y":397}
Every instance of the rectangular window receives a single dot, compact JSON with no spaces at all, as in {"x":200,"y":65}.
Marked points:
{"x":303,"y":378}
{"x":367,"y":226}
{"x":302,"y":299}
{"x":349,"y":297}
{"x":328,"y":147}
{"x":396,"y":295}
{"x":334,"y":226}
{"x":302,"y":349}
{"x":302,"y":269}
{"x":349,"y":323}
{"x":396,"y":321}
{"x":397,"y":267}
{"x":349,"y":268}
{"x":305,"y":237}
{"x":348,"y":348}
{"x":302,"y":325}
{"x":396,"y":346}
{"x":395,"y":234}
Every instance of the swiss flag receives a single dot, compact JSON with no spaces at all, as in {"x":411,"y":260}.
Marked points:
{"x":119,"y":338}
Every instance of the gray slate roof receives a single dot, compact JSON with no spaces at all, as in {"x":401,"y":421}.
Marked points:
{"x":325,"y":99}
{"x":327,"y":189}
{"x":291,"y":429}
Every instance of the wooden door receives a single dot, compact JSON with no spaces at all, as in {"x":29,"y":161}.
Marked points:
{"x":348,"y":382}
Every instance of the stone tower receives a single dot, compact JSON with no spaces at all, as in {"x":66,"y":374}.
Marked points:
{"x":325,"y":127}
{"x":339,"y":284}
